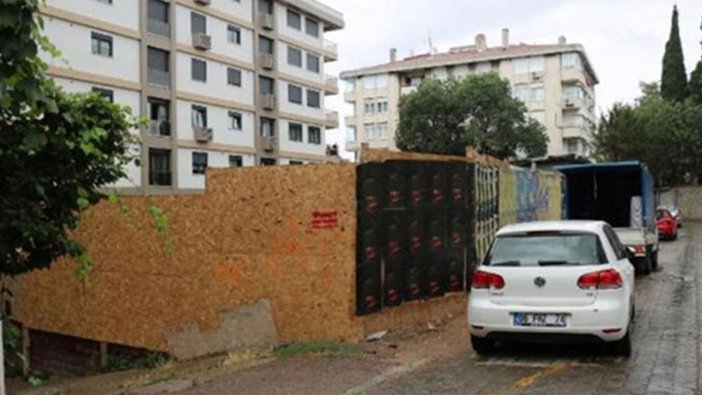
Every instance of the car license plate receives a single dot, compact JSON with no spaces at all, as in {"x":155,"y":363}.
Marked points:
{"x":540,"y":320}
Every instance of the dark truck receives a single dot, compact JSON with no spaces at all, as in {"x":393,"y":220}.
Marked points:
{"x":621,"y":194}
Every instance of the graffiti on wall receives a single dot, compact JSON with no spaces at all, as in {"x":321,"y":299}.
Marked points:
{"x":532,"y":196}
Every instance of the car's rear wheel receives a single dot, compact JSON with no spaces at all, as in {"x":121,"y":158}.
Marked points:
{"x":654,"y":261}
{"x":622,"y":347}
{"x":643,"y":265}
{"x":482,"y":345}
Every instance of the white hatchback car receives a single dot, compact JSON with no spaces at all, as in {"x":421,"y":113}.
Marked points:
{"x":553,"y":282}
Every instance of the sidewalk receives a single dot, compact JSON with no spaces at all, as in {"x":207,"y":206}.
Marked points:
{"x":373,"y":363}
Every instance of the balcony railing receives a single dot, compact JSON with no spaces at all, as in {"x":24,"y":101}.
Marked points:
{"x":159,"y":28}
{"x":159,"y":77}
{"x":160,"y":178}
{"x":332,"y":119}
{"x":331,"y":85}
{"x":331,"y":50}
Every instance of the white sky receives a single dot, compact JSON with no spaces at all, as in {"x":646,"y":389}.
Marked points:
{"x":624,"y":39}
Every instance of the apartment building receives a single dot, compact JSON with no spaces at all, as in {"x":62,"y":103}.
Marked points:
{"x":223,"y":83}
{"x":555,"y":81}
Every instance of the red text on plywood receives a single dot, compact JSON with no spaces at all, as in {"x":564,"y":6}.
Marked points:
{"x":325,"y":219}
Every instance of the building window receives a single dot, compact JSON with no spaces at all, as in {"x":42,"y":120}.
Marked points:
{"x":570,"y":61}
{"x":369,"y":107}
{"x":266,"y":86}
{"x":267,"y":127}
{"x":537,"y":93}
{"x":101,"y":44}
{"x":159,"y":167}
{"x":313,"y":63}
{"x":198,"y":70}
{"x":198,"y":23}
{"x":381,"y":131}
{"x":234,"y":121}
{"x":199,"y":116}
{"x":350,"y":133}
{"x":538,"y":116}
{"x":483,"y":68}
{"x":373,"y":82}
{"x":573,"y":92}
{"x":268,"y":162}
{"x":529,"y":65}
{"x":294,"y":57}
{"x":295,"y":132}
{"x":294,"y":20}
{"x":158,"y":20}
{"x":314,"y":135}
{"x":265,"y":45}
{"x":296,"y":163}
{"x":104,"y":1}
{"x":314,"y":99}
{"x":159,"y":114}
{"x":312,"y":27}
{"x":233,"y":34}
{"x":265,"y":6}
{"x":105,"y":94}
{"x":236,"y":161}
{"x":199,"y":162}
{"x":382,"y":106}
{"x":294,"y":94}
{"x":157,"y":63}
{"x":233,"y":76}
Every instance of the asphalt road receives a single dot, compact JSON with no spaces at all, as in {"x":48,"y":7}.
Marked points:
{"x":666,"y":358}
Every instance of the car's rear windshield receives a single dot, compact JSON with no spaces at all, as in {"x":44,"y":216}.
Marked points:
{"x":546,"y":249}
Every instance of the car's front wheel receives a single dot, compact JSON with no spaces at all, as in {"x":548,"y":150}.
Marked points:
{"x":482,"y":345}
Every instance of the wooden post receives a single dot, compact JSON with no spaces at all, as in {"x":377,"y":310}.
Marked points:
{"x":103,"y":355}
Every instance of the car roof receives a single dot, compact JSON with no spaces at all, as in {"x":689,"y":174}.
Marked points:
{"x":546,"y":226}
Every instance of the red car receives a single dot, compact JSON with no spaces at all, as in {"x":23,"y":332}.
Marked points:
{"x":667,"y":224}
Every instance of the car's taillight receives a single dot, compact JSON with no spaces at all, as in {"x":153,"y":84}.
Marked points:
{"x":639,"y":251}
{"x":605,"y":279}
{"x":485,"y":280}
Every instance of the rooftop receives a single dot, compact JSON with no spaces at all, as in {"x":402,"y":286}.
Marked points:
{"x":473,"y":54}
{"x":332,"y":19}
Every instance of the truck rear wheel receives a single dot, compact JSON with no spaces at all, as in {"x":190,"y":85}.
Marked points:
{"x":643,"y":265}
{"x":654,"y":261}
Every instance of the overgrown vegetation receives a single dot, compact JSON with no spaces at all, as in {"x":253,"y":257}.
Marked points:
{"x":129,"y":361}
{"x":329,"y":349}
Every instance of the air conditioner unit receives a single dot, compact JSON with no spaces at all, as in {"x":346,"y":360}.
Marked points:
{"x":268,"y":102}
{"x":569,"y":103}
{"x":202,"y":41}
{"x":269,"y":143}
{"x":267,"y":21}
{"x":203,"y":2}
{"x":267,"y":61}
{"x":536,"y":76}
{"x":202,"y":134}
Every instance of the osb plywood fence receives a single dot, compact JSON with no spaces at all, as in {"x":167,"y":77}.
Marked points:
{"x":276,"y":244}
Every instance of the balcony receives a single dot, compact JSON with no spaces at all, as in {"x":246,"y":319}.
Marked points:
{"x":406,"y":90}
{"x":350,"y":120}
{"x":266,"y":21}
{"x":351,"y":145}
{"x":331,"y":51}
{"x":331,"y":85}
{"x":266,"y":61}
{"x":269,"y":143}
{"x":160,"y":128}
{"x":203,"y":2}
{"x":268,"y":102}
{"x":573,"y":103}
{"x":574,"y":131}
{"x":202,"y":41}
{"x":159,"y":77}
{"x":158,"y":28}
{"x":331,"y":120}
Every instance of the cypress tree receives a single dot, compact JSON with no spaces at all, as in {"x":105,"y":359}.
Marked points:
{"x":696,"y":83}
{"x":674,"y":77}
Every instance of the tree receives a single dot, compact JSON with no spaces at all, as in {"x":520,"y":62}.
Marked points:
{"x":695,"y":86}
{"x":674,"y":76}
{"x":445,"y":117}
{"x":56,"y":149}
